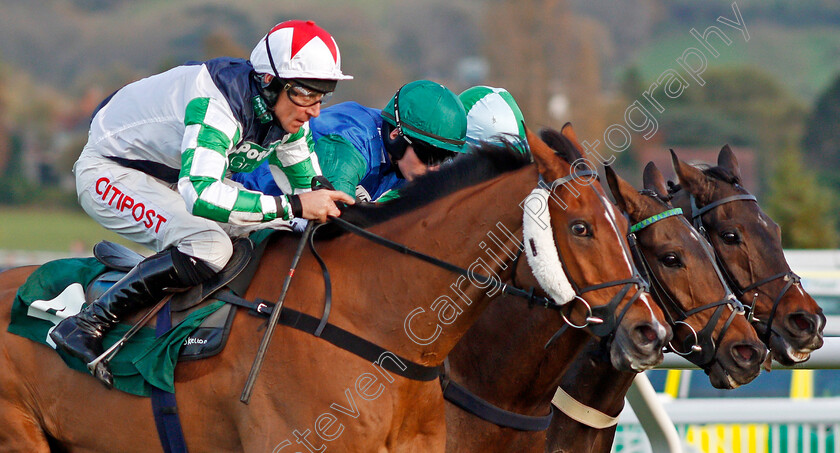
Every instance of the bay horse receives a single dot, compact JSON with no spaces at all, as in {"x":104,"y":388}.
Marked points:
{"x":526,"y":383}
{"x":747,"y":243}
{"x":312,"y":394}
{"x":524,"y":380}
{"x":738,"y":351}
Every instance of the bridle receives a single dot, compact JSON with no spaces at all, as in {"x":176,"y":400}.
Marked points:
{"x":700,"y":347}
{"x":601,"y":320}
{"x":789,"y":276}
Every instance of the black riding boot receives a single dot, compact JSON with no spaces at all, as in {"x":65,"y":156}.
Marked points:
{"x":81,"y":335}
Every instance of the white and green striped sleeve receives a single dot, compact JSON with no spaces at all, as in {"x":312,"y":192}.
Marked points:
{"x":294,"y":162}
{"x":211,"y":131}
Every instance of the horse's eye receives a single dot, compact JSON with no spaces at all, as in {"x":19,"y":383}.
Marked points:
{"x":671,"y":260}
{"x":730,"y":237}
{"x":580,"y":229}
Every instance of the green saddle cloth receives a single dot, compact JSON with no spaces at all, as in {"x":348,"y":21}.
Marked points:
{"x":56,"y":290}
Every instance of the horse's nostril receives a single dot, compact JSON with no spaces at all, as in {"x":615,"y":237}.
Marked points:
{"x":802,"y":322}
{"x":745,"y":352}
{"x":648,"y":333}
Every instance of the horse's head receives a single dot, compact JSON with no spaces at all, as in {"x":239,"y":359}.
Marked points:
{"x":708,"y":323}
{"x":607,"y":294}
{"x":748,"y":245}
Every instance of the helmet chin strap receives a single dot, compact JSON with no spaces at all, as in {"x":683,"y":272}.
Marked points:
{"x":395,"y":147}
{"x":542,"y":252}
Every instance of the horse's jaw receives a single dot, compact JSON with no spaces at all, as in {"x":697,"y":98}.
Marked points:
{"x":638,"y":349}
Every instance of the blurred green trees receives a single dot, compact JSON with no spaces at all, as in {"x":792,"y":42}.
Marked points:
{"x":821,"y":140}
{"x":803,"y":208}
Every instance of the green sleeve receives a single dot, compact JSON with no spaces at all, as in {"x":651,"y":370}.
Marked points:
{"x":392,"y":194}
{"x":341,"y":163}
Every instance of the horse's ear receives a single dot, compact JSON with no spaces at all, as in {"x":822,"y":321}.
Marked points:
{"x":612,"y":182}
{"x":548,"y":164}
{"x":727,"y":160}
{"x":653,"y":180}
{"x":691,"y":179}
{"x":560,"y":143}
{"x":626,"y":197}
{"x":569,"y":133}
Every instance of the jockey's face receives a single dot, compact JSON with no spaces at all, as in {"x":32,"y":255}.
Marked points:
{"x":410,"y":165}
{"x":291,"y":116}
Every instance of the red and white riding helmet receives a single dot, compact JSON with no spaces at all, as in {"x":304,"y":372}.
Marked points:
{"x":298,"y":49}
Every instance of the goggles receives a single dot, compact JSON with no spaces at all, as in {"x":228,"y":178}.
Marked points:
{"x":428,"y":154}
{"x":302,"y":96}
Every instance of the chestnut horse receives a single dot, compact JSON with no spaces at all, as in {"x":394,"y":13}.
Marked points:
{"x":527,"y":380}
{"x":417,"y":310}
{"x":747,"y":243}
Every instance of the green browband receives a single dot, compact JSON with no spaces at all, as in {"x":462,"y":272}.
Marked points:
{"x":653,"y":219}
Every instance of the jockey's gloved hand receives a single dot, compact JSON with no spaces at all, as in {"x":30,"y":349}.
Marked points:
{"x":320,"y":205}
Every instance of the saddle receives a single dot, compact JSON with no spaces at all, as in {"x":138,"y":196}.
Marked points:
{"x":211,"y":336}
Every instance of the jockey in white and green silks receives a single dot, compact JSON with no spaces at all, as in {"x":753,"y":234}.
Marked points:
{"x":492,"y":115}
{"x":158,"y":153}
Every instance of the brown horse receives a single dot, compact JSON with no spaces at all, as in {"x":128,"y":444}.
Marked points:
{"x":734,"y":359}
{"x":524,"y":379}
{"x":417,"y":310}
{"x":747,"y":242}
{"x":738,"y":352}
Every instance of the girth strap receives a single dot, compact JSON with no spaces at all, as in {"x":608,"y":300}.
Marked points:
{"x":338,"y":337}
{"x":164,"y":404}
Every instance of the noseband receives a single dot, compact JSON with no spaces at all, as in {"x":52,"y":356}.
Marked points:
{"x":789,"y":276}
{"x":700,"y":348}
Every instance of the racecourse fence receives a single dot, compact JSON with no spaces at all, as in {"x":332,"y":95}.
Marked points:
{"x":732,"y":425}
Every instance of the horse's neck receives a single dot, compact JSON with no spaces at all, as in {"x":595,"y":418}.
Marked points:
{"x":596,"y":384}
{"x":415,"y":309}
{"x":508,"y":341}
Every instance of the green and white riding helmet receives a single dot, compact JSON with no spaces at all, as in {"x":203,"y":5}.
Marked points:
{"x":428,"y":116}
{"x":493,"y":116}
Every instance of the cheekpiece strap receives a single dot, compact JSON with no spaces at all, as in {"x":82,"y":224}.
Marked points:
{"x":655,"y":218}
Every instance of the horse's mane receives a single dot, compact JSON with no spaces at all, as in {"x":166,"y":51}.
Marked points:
{"x":485,"y":162}
{"x":716,"y":172}
{"x":722,"y":174}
